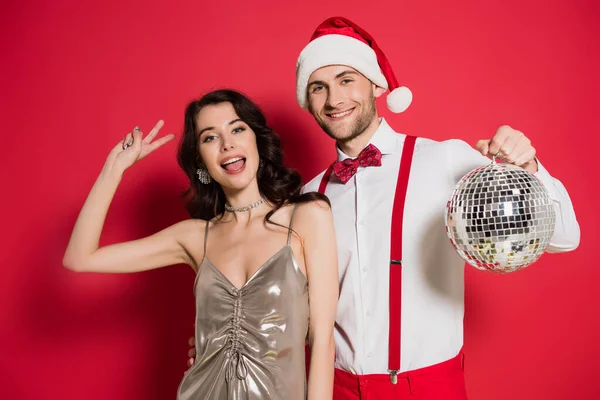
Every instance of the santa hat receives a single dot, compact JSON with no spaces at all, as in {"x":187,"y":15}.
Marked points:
{"x":338,"y":41}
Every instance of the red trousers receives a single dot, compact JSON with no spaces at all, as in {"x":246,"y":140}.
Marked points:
{"x":443,"y":381}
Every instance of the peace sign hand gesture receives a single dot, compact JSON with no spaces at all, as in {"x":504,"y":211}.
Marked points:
{"x":134,"y":147}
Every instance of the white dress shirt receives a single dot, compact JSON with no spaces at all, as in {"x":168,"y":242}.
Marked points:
{"x":432,"y":272}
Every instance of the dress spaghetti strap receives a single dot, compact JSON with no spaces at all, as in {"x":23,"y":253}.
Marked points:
{"x":289,"y":239}
{"x":205,"y":238}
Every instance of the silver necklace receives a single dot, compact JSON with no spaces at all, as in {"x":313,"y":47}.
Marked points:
{"x":245,"y":208}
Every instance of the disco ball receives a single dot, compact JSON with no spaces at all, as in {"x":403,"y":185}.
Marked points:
{"x":500,"y":218}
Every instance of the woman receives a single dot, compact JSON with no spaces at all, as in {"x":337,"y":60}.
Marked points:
{"x":254,"y":273}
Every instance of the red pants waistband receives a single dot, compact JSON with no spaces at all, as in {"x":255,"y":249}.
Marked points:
{"x":445,"y":378}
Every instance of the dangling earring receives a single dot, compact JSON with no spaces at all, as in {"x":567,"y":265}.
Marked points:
{"x":203,"y":176}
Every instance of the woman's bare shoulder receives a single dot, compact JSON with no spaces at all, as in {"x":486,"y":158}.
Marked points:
{"x":312,"y":210}
{"x":190,"y":235}
{"x":312,"y":216}
{"x":191,"y":226}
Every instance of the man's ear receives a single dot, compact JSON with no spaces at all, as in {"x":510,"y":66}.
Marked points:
{"x":378,"y":90}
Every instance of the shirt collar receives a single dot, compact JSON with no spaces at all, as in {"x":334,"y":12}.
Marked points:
{"x":384,"y":138}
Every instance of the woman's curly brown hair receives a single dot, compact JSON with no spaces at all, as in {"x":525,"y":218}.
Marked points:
{"x":278,"y":184}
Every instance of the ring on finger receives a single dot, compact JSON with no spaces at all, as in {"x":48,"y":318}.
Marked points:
{"x":128,"y":144}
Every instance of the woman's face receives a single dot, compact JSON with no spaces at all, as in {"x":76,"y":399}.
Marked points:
{"x":227,"y":146}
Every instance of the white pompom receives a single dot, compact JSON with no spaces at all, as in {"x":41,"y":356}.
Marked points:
{"x":399,"y":99}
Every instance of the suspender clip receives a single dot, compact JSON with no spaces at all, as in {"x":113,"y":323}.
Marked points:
{"x":393,"y":376}
{"x":397,"y":262}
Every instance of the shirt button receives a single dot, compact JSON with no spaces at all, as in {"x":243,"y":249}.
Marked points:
{"x":364,"y":269}
{"x":369,"y":355}
{"x":361,"y":222}
{"x":368,"y":313}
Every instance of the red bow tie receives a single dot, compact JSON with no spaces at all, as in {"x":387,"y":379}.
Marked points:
{"x":370,"y":156}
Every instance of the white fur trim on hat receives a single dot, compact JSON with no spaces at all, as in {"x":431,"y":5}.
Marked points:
{"x":336,"y":50}
{"x":399,"y":99}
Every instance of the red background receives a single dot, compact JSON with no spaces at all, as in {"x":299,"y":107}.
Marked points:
{"x":76,"y":76}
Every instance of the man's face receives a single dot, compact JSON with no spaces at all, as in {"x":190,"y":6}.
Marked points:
{"x":342,"y":101}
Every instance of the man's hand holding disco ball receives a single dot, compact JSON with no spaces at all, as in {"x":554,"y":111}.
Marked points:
{"x":500,"y":217}
{"x":511,"y":146}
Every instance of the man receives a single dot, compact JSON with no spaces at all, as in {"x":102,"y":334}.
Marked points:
{"x":399,"y":326}
{"x":401,"y":281}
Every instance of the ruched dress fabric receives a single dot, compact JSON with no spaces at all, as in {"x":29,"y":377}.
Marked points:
{"x":250,"y":341}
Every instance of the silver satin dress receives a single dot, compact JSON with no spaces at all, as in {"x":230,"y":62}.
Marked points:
{"x":250,"y":341}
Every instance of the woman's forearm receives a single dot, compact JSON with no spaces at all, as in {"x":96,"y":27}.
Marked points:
{"x":320,"y":378}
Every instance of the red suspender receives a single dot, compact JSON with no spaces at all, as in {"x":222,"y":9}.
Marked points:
{"x":396,"y":258}
{"x":325,"y":179}
{"x":396,"y":253}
